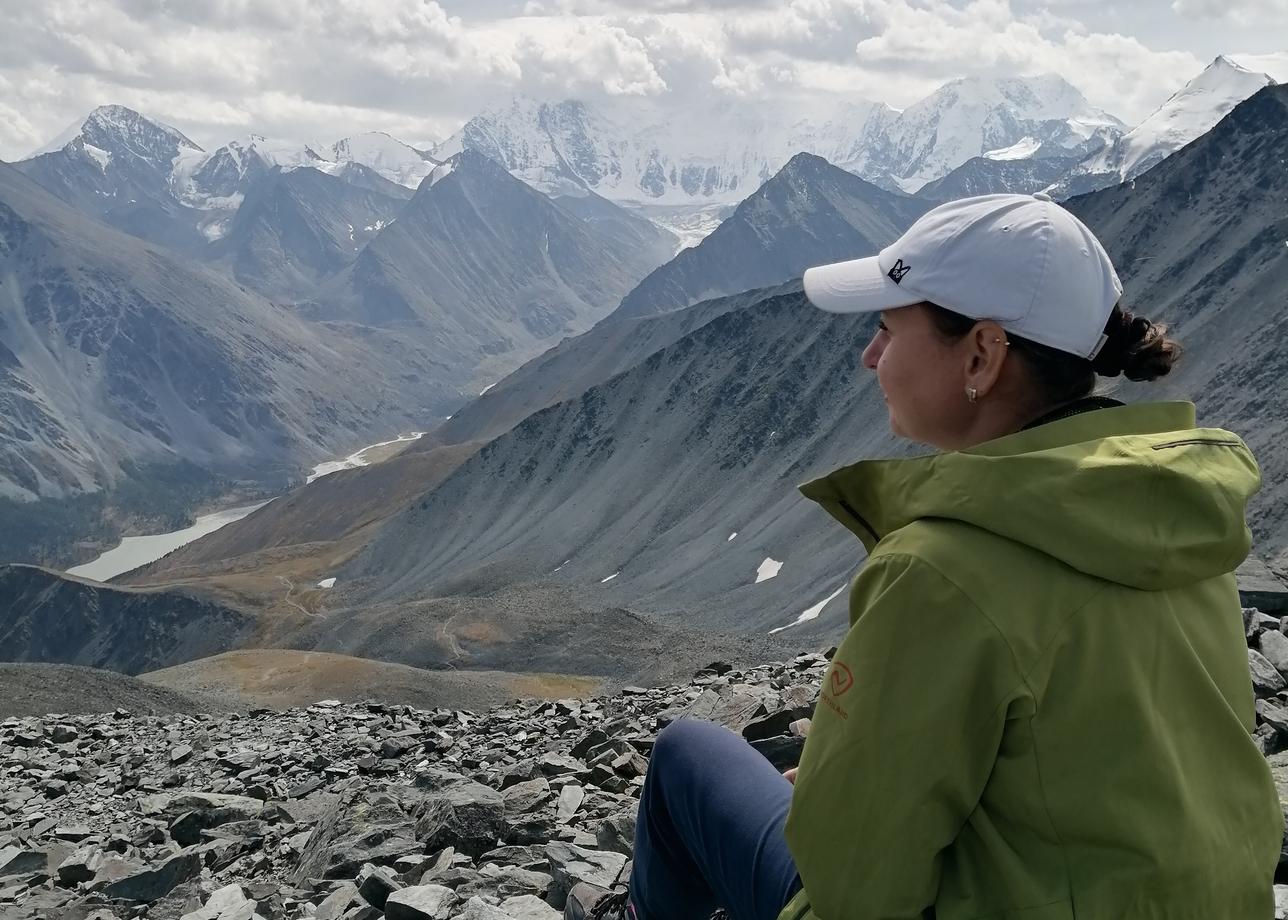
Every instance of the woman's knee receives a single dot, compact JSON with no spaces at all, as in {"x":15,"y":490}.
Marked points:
{"x":684,"y":740}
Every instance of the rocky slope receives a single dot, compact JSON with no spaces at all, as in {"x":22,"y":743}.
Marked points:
{"x":808,"y":213}
{"x":47,"y":617}
{"x":296,"y":228}
{"x":736,"y":413}
{"x":116,"y":370}
{"x":373,"y":810}
{"x":482,"y":272}
{"x":983,"y":176}
{"x":37,"y":689}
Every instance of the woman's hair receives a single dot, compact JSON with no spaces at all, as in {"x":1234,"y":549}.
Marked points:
{"x":1136,"y":347}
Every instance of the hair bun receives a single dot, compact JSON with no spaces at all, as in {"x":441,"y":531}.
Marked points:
{"x":1136,"y":347}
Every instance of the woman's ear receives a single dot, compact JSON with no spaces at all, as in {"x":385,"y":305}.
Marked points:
{"x":985,"y":356}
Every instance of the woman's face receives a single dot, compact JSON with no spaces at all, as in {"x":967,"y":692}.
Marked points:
{"x":921,"y":376}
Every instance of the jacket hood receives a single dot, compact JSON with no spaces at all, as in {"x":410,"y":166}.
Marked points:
{"x":1135,"y":495}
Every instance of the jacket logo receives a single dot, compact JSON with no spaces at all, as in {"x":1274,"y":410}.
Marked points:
{"x":896,"y":274}
{"x":841,"y":679}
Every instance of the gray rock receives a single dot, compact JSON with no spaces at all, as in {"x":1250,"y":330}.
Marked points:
{"x":337,"y":903}
{"x":73,"y":833}
{"x":1274,"y":645}
{"x":528,"y":907}
{"x":525,"y":797}
{"x":376,"y":884}
{"x":369,"y":828}
{"x":478,"y":909}
{"x":150,"y":884}
{"x":468,"y":816}
{"x":62,"y":734}
{"x":1273,"y":715}
{"x":420,"y":902}
{"x":616,"y":834}
{"x":81,"y":866}
{"x":783,"y":752}
{"x":1266,"y":681}
{"x":20,"y":861}
{"x":571,"y":864}
{"x":570,"y":799}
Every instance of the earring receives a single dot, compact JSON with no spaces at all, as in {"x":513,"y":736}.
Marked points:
{"x":972,"y":394}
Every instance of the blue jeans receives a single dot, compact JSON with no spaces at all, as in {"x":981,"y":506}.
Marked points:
{"x":710,"y":829}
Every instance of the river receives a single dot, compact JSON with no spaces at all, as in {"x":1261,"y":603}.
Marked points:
{"x":133,"y":552}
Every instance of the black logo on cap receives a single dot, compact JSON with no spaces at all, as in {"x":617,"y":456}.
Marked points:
{"x":896,"y":274}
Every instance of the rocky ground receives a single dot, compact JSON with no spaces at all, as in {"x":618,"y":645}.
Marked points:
{"x":342,"y":811}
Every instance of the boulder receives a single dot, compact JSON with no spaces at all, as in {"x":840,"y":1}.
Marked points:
{"x":1266,"y":681}
{"x":151,"y":883}
{"x":367,"y":828}
{"x":420,"y":902}
{"x":616,"y":834}
{"x":21,"y":861}
{"x":529,"y":907}
{"x":467,"y":816}
{"x":376,"y":884}
{"x":571,"y":864}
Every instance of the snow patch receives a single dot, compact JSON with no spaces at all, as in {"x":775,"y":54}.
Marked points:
{"x":812,"y":613}
{"x":1026,"y":147}
{"x":439,"y":173}
{"x":731,"y":536}
{"x":561,"y":565}
{"x":216,"y":229}
{"x":768,"y":569}
{"x":486,"y":388}
{"x":609,"y":578}
{"x":98,"y":155}
{"x":327,"y":583}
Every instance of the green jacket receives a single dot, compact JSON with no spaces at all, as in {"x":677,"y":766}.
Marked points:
{"x":1042,"y":709}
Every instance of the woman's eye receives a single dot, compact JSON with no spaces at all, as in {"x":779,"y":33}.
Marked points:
{"x":882,"y":326}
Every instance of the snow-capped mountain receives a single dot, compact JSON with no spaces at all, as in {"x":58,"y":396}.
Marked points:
{"x":115,"y":131}
{"x":725,"y":153}
{"x":116,"y":165}
{"x":1008,"y":118}
{"x":1187,"y":115}
{"x":388,"y":156}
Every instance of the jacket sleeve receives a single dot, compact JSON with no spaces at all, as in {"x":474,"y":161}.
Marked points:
{"x":905,"y":734}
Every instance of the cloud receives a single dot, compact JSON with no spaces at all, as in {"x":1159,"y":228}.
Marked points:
{"x":1263,"y":12}
{"x":316,"y":70}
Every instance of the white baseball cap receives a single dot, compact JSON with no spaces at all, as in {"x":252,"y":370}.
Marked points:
{"x":1020,"y":260}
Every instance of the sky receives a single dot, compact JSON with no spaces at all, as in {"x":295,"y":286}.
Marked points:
{"x":317,"y":70}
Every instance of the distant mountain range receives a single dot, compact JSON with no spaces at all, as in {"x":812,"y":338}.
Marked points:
{"x":630,"y":158}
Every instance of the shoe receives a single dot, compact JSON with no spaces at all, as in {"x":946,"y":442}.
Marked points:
{"x":590,"y":902}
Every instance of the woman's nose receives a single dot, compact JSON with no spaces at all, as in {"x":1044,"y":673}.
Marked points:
{"x":872,"y":354}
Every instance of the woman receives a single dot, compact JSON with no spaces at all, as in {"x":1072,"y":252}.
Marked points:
{"x":1042,"y":709}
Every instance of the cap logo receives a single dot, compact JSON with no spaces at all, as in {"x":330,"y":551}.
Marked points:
{"x":896,"y":274}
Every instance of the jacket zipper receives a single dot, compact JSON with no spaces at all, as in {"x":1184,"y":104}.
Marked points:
{"x":849,"y":509}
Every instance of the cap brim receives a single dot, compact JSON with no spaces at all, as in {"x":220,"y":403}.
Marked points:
{"x":856,"y":286}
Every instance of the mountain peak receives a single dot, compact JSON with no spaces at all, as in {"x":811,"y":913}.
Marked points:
{"x":119,"y":123}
